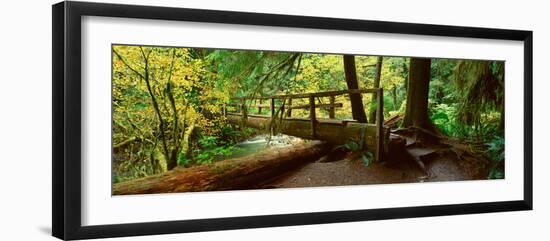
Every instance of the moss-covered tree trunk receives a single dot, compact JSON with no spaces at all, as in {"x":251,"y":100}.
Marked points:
{"x":376,"y":84}
{"x":416,"y":112}
{"x":357,"y":110}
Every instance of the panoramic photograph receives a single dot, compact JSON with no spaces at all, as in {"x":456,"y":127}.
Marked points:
{"x":203,"y":119}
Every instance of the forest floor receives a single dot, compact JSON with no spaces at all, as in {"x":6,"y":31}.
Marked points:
{"x":439,"y":158}
{"x":288,"y":163}
{"x":446,"y":166}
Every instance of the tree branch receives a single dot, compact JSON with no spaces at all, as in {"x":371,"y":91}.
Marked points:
{"x":127,"y":65}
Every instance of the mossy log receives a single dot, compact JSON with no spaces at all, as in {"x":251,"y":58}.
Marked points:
{"x":232,"y":174}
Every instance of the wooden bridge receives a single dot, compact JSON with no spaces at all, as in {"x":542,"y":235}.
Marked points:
{"x":248,"y":111}
{"x":277,"y":116}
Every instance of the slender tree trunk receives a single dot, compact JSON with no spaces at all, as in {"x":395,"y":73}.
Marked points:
{"x":357,"y":109}
{"x":156,"y":107}
{"x":372,"y":112}
{"x":394,"y":97}
{"x":173,"y":161}
{"x":416,"y":113}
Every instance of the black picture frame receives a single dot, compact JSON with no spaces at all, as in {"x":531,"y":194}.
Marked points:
{"x":66,"y":128}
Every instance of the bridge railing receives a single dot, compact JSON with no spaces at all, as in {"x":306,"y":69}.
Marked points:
{"x":242,"y":106}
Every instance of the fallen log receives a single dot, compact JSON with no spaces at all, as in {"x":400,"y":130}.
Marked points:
{"x":232,"y":174}
{"x":335,"y":132}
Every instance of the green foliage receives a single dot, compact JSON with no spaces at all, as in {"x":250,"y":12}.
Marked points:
{"x":366,"y":158}
{"x":349,"y":146}
{"x":496,"y":173}
{"x":212,"y":149}
{"x":495,"y":152}
{"x":443,"y":116}
{"x":373,"y":106}
{"x":252,"y":72}
{"x":481,"y":88}
{"x":208,"y":141}
{"x":183,"y":160}
{"x":495,"y":149}
{"x":446,"y":118}
{"x":207,"y":156}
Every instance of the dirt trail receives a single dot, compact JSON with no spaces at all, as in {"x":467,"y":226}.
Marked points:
{"x":351,"y":171}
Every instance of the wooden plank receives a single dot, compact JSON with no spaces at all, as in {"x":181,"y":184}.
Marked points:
{"x":306,"y":119}
{"x":320,"y":106}
{"x":261,"y":106}
{"x":258,"y":115}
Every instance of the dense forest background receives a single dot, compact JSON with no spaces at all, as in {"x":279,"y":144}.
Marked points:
{"x":167,"y":102}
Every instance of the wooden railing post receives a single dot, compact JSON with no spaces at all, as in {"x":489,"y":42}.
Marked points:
{"x":244,"y":112}
{"x":379,"y":125}
{"x":331,"y":113}
{"x":312,"y":116}
{"x":259,"y":106}
{"x":289,"y":113}
{"x":272,"y":107}
{"x":283,"y":107}
{"x":241,"y":106}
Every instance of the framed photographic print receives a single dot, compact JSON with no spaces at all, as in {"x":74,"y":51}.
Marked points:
{"x":170,"y":120}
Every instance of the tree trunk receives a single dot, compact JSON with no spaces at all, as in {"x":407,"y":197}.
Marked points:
{"x":186,"y":140}
{"x":357,"y":109}
{"x":372,"y":112}
{"x":416,"y":112}
{"x":394,"y":97}
{"x":239,"y":173}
